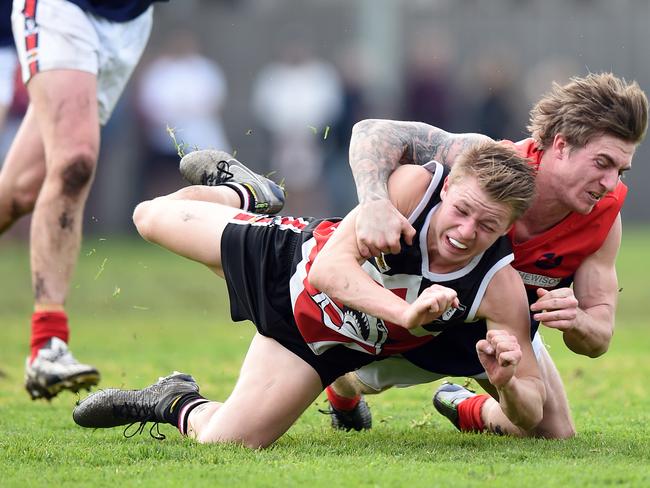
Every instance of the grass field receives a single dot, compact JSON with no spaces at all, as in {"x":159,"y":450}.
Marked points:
{"x":138,"y":312}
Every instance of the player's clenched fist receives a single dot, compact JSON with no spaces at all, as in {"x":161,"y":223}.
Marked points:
{"x":379,"y":227}
{"x":430,"y":305}
{"x":499,"y":354}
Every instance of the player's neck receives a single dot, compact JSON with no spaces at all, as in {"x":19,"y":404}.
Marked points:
{"x":547,"y":209}
{"x":545,"y":212}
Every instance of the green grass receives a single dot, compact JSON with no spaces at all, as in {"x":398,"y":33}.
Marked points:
{"x":138,"y":312}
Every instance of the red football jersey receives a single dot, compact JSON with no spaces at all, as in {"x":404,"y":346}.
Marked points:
{"x":550,"y":259}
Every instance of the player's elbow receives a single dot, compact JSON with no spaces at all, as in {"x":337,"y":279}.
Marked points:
{"x":596,"y":346}
{"x":363,"y":126}
{"x":603,"y":346}
{"x":598,"y":351}
{"x":320,"y":274}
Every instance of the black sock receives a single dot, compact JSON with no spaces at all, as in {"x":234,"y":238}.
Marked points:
{"x":178,"y":410}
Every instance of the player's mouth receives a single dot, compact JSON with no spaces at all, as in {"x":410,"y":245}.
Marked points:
{"x":594,"y":197}
{"x":456,"y":244}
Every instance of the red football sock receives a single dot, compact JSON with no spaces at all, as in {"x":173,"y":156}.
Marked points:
{"x":469,"y":414}
{"x":340,"y":402}
{"x":46,"y":325}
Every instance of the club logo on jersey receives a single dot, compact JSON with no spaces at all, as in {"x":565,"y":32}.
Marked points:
{"x":549,"y":261}
{"x":441,"y":323}
{"x":351,"y":323}
{"x":539,"y":281}
{"x":371,"y":329}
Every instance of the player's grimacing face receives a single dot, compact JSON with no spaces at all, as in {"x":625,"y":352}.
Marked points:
{"x":585,"y":175}
{"x":467,"y":222}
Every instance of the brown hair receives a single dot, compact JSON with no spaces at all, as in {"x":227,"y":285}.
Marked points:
{"x":588,"y":107}
{"x":500,"y":171}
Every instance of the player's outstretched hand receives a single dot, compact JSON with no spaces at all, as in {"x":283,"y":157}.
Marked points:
{"x":499,"y":354}
{"x":557,"y":308}
{"x":430,"y":305}
{"x":379,"y":227}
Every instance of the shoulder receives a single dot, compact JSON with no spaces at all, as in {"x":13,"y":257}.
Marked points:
{"x":504,"y":296}
{"x":407,"y":185}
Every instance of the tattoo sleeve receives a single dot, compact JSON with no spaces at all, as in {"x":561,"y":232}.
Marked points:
{"x":377,"y":147}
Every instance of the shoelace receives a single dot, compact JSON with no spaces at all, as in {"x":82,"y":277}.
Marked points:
{"x":222,"y":175}
{"x":340,"y":413}
{"x":159,"y":436}
{"x":128,"y":409}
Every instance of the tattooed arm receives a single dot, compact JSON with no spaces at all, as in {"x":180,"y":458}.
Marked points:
{"x":377,"y":147}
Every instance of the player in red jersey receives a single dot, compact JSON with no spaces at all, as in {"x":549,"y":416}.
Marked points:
{"x":583,"y":138}
{"x":322,"y":310}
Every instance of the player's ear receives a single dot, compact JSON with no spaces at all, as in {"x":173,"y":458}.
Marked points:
{"x":445,"y":188}
{"x":508,"y":229}
{"x":560,"y":146}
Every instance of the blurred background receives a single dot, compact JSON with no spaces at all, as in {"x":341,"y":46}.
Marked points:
{"x":281,"y":82}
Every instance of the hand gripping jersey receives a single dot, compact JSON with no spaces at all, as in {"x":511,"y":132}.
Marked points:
{"x":551,"y":259}
{"x":324,"y":323}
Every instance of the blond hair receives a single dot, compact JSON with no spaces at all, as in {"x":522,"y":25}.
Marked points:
{"x":501,"y":173}
{"x":588,"y":107}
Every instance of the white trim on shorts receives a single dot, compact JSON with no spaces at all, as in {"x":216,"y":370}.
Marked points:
{"x":399,"y":372}
{"x":63,"y":36}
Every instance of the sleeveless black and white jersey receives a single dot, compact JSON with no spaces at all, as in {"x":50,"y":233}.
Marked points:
{"x":324,"y":322}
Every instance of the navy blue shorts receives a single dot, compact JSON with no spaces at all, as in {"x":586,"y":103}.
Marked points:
{"x":257,"y":264}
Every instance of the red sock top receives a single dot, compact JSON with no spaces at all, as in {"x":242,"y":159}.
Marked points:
{"x":469,"y":414}
{"x":340,"y":402}
{"x":46,"y":325}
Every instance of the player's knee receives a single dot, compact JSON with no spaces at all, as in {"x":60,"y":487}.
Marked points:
{"x":142,"y":218}
{"x":193,"y":192}
{"x":76,"y":175}
{"x":22,"y":202}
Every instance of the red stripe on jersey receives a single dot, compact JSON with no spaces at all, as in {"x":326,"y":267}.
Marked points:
{"x":30,"y":9}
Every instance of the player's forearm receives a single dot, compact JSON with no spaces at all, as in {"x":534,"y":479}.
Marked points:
{"x":592,"y":332}
{"x":377,"y":147}
{"x":522,"y":401}
{"x":346,"y":282}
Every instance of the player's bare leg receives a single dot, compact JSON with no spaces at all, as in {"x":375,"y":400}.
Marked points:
{"x":190,"y":228}
{"x":347,"y":407}
{"x":65,"y":105}
{"x":22,"y":173}
{"x":274,"y":387}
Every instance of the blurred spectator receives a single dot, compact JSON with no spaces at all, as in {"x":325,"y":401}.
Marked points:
{"x":185,"y":91}
{"x":355,"y":75}
{"x":427,"y":83}
{"x":297,"y":99}
{"x":498,"y":99}
{"x":547,"y":70}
